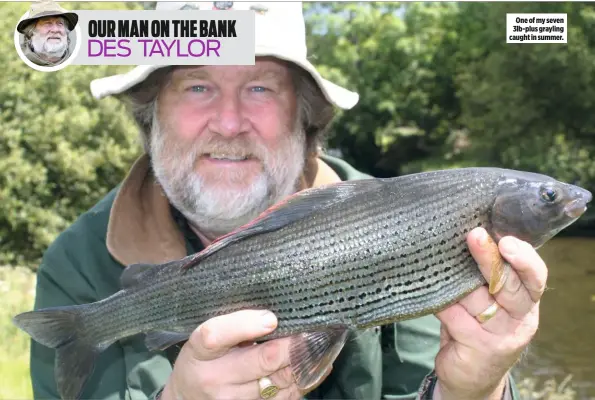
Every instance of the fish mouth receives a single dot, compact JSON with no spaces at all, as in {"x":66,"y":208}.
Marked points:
{"x":578,"y":206}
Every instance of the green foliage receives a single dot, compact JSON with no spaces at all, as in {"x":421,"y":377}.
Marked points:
{"x":528,"y":106}
{"x":441,"y":88}
{"x":400,"y":68}
{"x":60,"y":149}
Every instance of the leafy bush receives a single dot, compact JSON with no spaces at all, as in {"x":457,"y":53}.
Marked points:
{"x":60,"y":149}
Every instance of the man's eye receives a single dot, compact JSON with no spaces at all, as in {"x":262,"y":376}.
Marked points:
{"x":259,"y":89}
{"x":198,"y":88}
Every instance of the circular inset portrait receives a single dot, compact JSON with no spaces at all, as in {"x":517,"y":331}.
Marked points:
{"x":46,"y":37}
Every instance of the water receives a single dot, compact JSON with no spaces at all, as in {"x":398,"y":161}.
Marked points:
{"x":565,"y":341}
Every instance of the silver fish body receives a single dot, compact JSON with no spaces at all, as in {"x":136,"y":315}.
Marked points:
{"x":326,"y":261}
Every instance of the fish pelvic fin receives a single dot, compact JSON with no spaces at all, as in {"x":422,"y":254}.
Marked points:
{"x":312,"y":355}
{"x":63,"y":329}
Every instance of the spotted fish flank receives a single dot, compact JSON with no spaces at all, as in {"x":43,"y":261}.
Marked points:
{"x":327,"y":261}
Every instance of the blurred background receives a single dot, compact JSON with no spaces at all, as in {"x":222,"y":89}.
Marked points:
{"x":439,"y":88}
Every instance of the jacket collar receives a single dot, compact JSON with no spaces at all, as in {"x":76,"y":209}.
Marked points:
{"x":34,"y":57}
{"x":141,"y":227}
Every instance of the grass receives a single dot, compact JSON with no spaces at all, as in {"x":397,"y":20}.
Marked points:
{"x":17,"y":289}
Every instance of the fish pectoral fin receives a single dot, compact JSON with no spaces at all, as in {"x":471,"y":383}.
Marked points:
{"x":498,"y":275}
{"x":312,"y":354}
{"x":161,"y":340}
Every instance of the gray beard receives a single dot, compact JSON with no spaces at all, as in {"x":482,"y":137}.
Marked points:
{"x":214,"y":211}
{"x":46,"y":49}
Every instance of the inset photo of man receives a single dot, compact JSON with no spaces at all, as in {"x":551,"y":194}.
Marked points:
{"x":46,"y":34}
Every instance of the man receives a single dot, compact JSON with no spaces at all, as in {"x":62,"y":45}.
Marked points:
{"x":46,"y":33}
{"x":223,"y":143}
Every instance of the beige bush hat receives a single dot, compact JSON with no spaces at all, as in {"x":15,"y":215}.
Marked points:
{"x":47,"y":8}
{"x":280,"y":32}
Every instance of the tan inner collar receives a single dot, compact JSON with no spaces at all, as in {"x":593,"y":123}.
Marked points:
{"x":141,"y":228}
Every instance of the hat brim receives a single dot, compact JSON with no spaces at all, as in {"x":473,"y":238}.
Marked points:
{"x":71,"y":18}
{"x":335,"y":94}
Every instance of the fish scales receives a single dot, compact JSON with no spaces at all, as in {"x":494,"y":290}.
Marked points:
{"x":326,"y":261}
{"x":263,"y":280}
{"x":239,"y":259}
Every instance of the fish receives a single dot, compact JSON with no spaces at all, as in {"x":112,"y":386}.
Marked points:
{"x":327,"y":261}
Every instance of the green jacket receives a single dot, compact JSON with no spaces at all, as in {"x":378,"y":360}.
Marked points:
{"x":34,"y":57}
{"x":84,"y":264}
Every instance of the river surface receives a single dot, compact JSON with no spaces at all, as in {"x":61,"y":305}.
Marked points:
{"x":565,"y":342}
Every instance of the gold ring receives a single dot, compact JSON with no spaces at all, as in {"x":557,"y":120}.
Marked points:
{"x":268,"y":389}
{"x":489,"y":313}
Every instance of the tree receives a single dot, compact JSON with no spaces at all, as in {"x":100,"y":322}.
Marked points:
{"x":60,"y":149}
{"x":441,"y":88}
{"x":397,"y":58}
{"x":529,"y":106}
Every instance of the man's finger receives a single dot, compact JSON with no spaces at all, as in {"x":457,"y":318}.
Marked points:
{"x":460,"y":325}
{"x":251,"y":391}
{"x":445,"y":337}
{"x":527,"y":263}
{"x":479,"y":301}
{"x":513,"y":296}
{"x":215,"y":337}
{"x":254,"y":362}
{"x":283,"y":379}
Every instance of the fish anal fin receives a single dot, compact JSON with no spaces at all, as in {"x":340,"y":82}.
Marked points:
{"x":289,"y":210}
{"x":161,"y":340}
{"x":312,"y":355}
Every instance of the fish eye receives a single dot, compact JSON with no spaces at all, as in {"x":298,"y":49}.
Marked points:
{"x":549,"y":195}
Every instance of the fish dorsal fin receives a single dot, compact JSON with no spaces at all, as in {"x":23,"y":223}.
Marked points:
{"x":293,"y":208}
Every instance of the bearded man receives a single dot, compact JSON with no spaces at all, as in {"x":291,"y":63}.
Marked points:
{"x":224,"y":143}
{"x":46,"y":32}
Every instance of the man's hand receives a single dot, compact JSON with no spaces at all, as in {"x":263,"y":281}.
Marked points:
{"x":220,"y":361}
{"x":474,"y":358}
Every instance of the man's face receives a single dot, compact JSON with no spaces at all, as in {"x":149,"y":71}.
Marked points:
{"x":225,"y":146}
{"x":49,"y":36}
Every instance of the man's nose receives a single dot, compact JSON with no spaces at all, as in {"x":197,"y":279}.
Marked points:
{"x":55,"y":28}
{"x":229,"y":119}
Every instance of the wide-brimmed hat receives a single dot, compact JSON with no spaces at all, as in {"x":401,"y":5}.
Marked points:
{"x":280,"y":32}
{"x":47,"y":8}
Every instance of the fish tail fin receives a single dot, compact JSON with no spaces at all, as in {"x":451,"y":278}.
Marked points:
{"x":63,"y":329}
